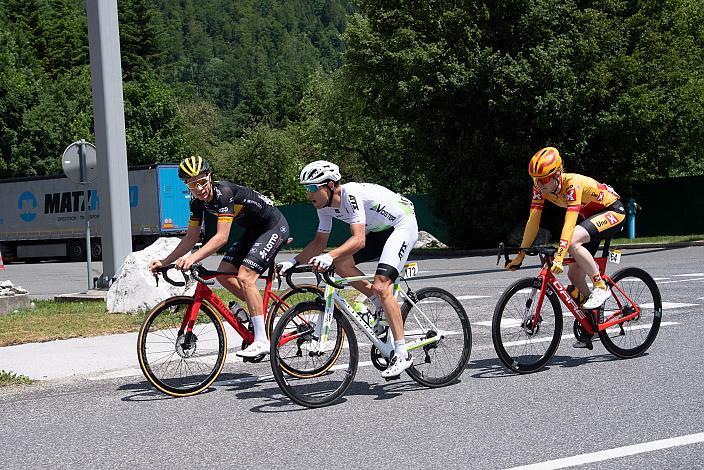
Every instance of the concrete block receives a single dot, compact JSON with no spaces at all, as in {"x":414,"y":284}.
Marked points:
{"x":10,"y":303}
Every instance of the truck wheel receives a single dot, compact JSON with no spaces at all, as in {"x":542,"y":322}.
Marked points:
{"x":77,"y":250}
{"x":96,"y":250}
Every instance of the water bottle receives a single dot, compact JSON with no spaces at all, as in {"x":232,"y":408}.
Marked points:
{"x":238,"y":311}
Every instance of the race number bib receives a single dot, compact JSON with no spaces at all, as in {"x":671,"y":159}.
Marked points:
{"x":614,"y":256}
{"x":410,"y":270}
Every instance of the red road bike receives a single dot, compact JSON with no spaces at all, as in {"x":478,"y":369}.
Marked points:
{"x":527,"y":324}
{"x":182,"y":344}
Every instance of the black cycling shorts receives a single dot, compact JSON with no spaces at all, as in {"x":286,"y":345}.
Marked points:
{"x":604,"y":224}
{"x":257,"y":248}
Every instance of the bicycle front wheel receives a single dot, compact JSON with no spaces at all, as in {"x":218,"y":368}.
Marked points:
{"x":312,"y":372}
{"x":522,"y":344}
{"x":289,"y":298}
{"x":437,"y":313}
{"x":633,"y":289}
{"x":177,"y":363}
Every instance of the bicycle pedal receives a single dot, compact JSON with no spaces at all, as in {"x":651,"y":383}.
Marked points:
{"x":590,"y":345}
{"x":395,"y":377}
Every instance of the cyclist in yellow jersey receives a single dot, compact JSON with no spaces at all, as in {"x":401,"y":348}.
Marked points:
{"x":597,"y":208}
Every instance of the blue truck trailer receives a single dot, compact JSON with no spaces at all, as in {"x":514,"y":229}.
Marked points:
{"x":44,"y":217}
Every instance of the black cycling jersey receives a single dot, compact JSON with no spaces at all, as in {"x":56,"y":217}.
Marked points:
{"x":232,"y":202}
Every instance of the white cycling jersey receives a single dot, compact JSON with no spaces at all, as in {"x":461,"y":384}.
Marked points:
{"x":377,"y":207}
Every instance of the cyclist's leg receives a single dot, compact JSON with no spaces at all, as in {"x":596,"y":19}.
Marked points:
{"x":373,"y":247}
{"x":394,"y":255}
{"x":260,"y":254}
{"x":584,"y":261}
{"x":232,"y":261}
{"x":600,"y":226}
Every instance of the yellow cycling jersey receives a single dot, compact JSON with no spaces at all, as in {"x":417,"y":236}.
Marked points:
{"x":580,"y":195}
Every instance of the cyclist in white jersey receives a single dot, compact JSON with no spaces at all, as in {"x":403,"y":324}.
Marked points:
{"x":383,"y":225}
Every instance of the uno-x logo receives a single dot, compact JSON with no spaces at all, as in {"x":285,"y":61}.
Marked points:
{"x":563,"y":243}
{"x":611,"y":218}
{"x":536,"y":194}
{"x":353,"y":202}
{"x":402,"y":251}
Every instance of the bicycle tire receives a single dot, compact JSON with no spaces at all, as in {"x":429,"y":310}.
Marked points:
{"x":521,"y":353}
{"x":456,"y":352}
{"x":642,"y":330}
{"x":279,"y":308}
{"x":193,"y":369}
{"x":324,"y":387}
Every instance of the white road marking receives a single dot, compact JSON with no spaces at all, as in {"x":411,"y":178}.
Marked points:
{"x":669,"y":305}
{"x":469,"y":297}
{"x":684,"y":280}
{"x":689,"y":275}
{"x":615,"y":453}
{"x":547,"y":340}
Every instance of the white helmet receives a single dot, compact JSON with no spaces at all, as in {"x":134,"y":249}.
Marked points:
{"x":319,"y":172}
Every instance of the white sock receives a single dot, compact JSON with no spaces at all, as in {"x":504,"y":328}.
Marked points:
{"x":259,"y":331}
{"x":400,"y":348}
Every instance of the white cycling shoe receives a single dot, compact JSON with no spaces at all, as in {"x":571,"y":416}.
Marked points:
{"x":398,"y":365}
{"x":597,"y":298}
{"x":255,"y":349}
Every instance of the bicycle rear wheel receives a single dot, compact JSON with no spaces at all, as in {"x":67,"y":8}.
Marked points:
{"x":520,"y":346}
{"x":441,"y":362}
{"x":311,"y":373}
{"x":634,"y":337}
{"x":176,"y":363}
{"x":289,"y":298}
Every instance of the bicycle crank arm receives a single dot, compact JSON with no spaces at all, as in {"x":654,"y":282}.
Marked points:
{"x":420,"y":342}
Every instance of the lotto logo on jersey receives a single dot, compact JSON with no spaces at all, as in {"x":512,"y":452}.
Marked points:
{"x":611,"y":218}
{"x":353,"y":202}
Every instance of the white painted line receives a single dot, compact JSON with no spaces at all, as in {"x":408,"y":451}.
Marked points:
{"x":547,"y":340}
{"x":668,"y":305}
{"x":505,"y":322}
{"x":469,"y":297}
{"x":689,"y":275}
{"x":615,"y":453}
{"x":684,"y":280}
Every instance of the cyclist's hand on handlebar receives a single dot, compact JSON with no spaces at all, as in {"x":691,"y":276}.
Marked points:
{"x":184,"y":263}
{"x":516,"y":262}
{"x":154,"y":265}
{"x":321,"y":262}
{"x":284,"y":266}
{"x":557,"y":267}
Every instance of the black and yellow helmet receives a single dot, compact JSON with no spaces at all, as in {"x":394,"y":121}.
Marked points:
{"x":192,"y":166}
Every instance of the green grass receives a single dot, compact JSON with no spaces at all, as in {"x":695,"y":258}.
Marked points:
{"x":10,"y":378}
{"x":51,"y":320}
{"x":660,"y":239}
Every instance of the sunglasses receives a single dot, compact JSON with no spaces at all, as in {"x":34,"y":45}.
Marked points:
{"x":311,"y":188}
{"x":545,"y":180}
{"x":199,"y":183}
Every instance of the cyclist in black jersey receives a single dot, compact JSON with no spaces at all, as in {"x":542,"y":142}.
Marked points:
{"x":266,"y":230}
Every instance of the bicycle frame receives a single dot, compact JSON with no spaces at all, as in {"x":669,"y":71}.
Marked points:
{"x":588,"y":323}
{"x":334,"y":299}
{"x":204,"y":294}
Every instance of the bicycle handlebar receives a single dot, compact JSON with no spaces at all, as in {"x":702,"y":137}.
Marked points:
{"x":544,"y":251}
{"x":308,"y":268}
{"x":197,"y":271}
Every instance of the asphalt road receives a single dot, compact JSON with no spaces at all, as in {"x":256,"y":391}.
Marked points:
{"x":601,"y":411}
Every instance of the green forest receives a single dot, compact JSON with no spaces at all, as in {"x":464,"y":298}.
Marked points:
{"x":449,"y":98}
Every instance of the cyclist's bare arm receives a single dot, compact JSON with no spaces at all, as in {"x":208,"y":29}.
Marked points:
{"x":215,"y":243}
{"x":314,"y":248}
{"x":353,"y":244}
{"x":185,"y":245}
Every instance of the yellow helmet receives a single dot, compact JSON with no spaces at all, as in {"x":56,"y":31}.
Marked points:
{"x":192,"y":166}
{"x":546,"y":162}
